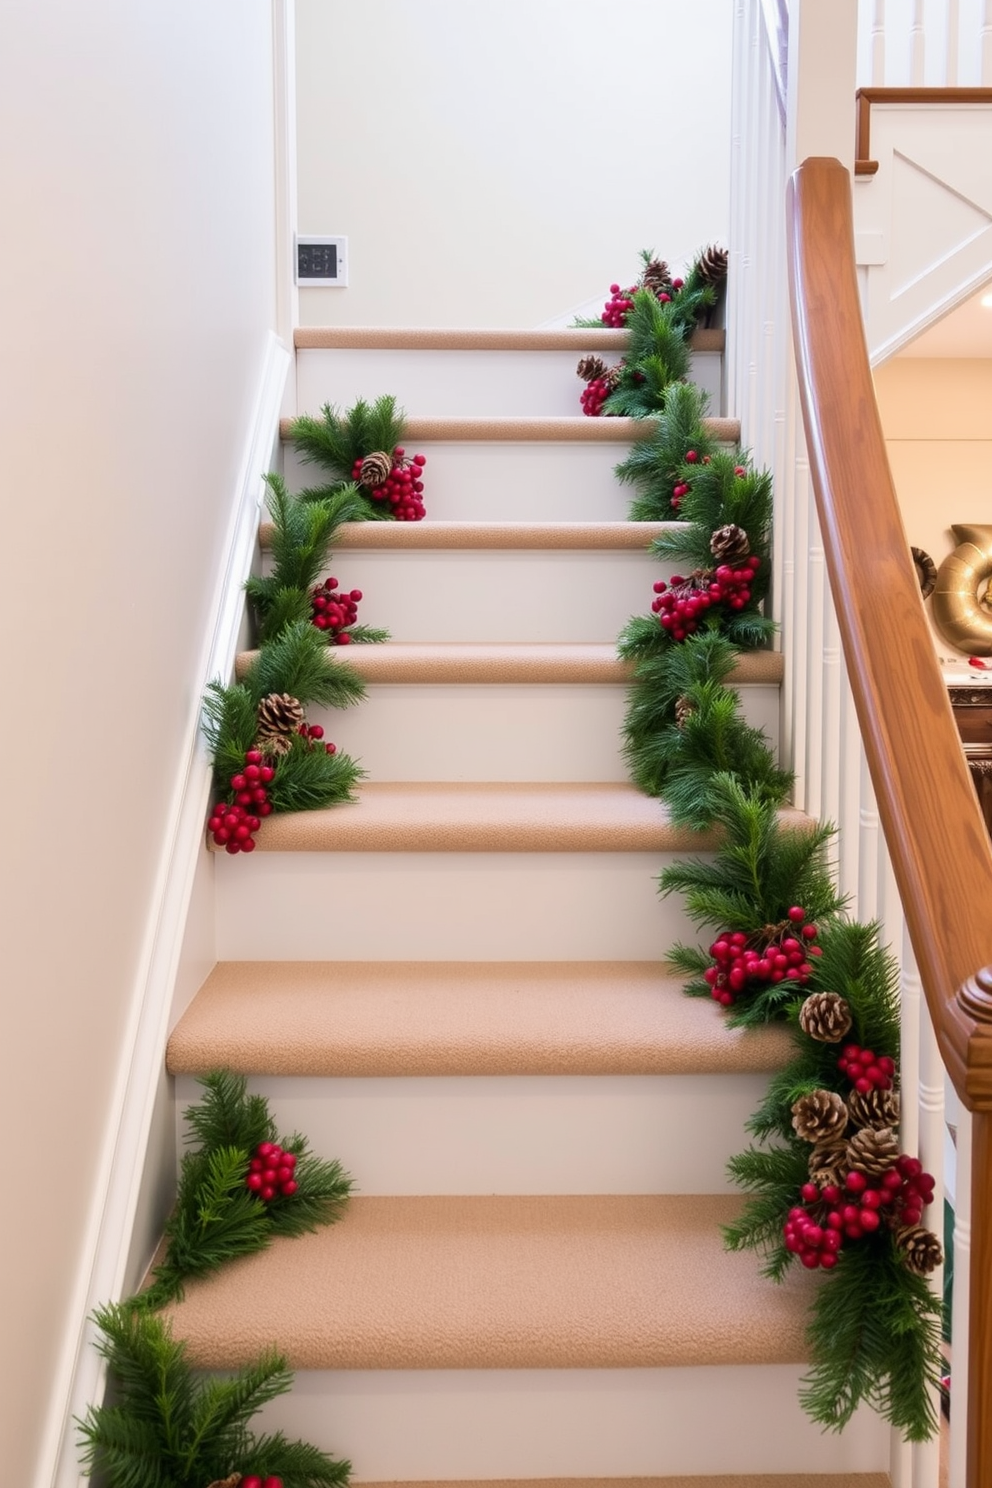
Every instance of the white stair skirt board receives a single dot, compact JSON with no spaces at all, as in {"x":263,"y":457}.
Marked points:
{"x":475,"y":731}
{"x":499,"y":595}
{"x":489,"y":383}
{"x":528,"y":1423}
{"x":518,"y":1134}
{"x":445,"y":906}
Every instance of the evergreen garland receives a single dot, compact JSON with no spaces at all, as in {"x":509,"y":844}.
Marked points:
{"x":217,"y":1216}
{"x":169,"y":1428}
{"x":341,"y":441}
{"x":823,"y":1133}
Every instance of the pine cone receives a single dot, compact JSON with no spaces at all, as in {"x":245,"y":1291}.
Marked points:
{"x":613,"y":376}
{"x":711,"y":266}
{"x":375,"y":469}
{"x":921,"y":1250}
{"x":279,"y":718}
{"x":876,"y":1108}
{"x":229,"y":1482}
{"x":656,"y":277}
{"x":683,"y":711}
{"x":729,"y":543}
{"x":591,"y":367}
{"x":872,"y":1151}
{"x":818,"y":1115}
{"x":826,"y":1017}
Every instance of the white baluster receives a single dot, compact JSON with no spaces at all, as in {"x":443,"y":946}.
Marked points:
{"x":869,"y":866}
{"x":985,"y":45}
{"x":953,"y":43}
{"x":878,"y":45}
{"x":961,"y":1302}
{"x":849,"y":815}
{"x":816,"y":583}
{"x":917,"y":46}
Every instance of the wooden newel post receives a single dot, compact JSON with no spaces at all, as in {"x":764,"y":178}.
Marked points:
{"x":974,"y":1000}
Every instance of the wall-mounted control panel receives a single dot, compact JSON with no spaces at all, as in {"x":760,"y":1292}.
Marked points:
{"x":322,"y":261}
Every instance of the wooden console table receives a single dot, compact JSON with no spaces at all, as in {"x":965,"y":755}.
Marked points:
{"x":973,"y":714}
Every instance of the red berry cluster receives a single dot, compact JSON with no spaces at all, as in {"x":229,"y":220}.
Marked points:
{"x":403,"y":487}
{"x":864,"y":1071}
{"x":234,"y":823}
{"x":270,"y":1173}
{"x":313,"y":733}
{"x":745,"y":963}
{"x":252,"y":1480}
{"x":594,"y":395}
{"x":681,"y":604}
{"x":828,"y":1216}
{"x":334,"y":612}
{"x":621,"y":302}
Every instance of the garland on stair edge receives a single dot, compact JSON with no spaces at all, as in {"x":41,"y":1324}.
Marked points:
{"x":170,"y":1428}
{"x":238,"y":1189}
{"x":659,"y":314}
{"x":360,"y":449}
{"x":825,"y":1178}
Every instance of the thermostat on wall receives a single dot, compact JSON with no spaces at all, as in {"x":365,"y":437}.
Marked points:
{"x":322,"y":261}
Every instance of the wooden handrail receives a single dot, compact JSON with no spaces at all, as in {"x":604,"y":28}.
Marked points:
{"x":865,"y":97}
{"x":933,"y":827}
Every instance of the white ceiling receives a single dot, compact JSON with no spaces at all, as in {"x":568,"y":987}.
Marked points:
{"x":965,"y":332}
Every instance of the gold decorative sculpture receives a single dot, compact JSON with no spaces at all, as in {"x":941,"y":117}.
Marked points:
{"x":960,"y":610}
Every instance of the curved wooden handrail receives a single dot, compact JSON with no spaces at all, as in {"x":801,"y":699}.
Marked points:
{"x":933,"y":826}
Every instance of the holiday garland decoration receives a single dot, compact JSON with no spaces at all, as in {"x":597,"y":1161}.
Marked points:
{"x":659,"y":314}
{"x":361,"y":448}
{"x":169,"y":1428}
{"x":827,"y":1183}
{"x":239,"y":1188}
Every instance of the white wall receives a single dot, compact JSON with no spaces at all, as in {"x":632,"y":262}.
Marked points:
{"x":136,"y":297}
{"x":937,"y":417}
{"x":503,"y":164}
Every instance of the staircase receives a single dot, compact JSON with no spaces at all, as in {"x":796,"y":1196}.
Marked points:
{"x":457,"y":987}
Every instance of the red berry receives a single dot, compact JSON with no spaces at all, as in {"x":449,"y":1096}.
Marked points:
{"x":796,"y":914}
{"x":289,"y":1187}
{"x":251,"y":1482}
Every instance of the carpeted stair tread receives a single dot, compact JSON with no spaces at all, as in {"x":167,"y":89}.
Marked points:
{"x":488,"y":816}
{"x":555,"y":430}
{"x":511,"y":661}
{"x":722,"y":1480}
{"x":465,"y":536}
{"x":368,"y":1018}
{"x":548,"y":1282}
{"x":481,"y":338}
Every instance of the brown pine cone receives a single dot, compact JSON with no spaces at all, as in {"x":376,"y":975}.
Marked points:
{"x":729,"y":543}
{"x":711,"y":265}
{"x":683,"y":710}
{"x":826,"y":1017}
{"x":656,"y":277}
{"x":820,"y":1114}
{"x":591,"y":367}
{"x":872,"y":1151}
{"x":921,"y":1250}
{"x":229,"y":1482}
{"x":375,"y":469}
{"x":877,"y":1108}
{"x":827,"y":1164}
{"x":279,"y":718}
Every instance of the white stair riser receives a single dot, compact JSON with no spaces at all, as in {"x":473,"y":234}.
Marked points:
{"x":445,"y":906}
{"x":512,"y":731}
{"x":491,"y":384}
{"x":526,"y":482}
{"x":506,"y":595}
{"x":583,"y":1423}
{"x":519,"y":1134}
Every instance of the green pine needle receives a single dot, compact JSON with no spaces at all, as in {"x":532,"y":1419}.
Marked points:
{"x":310,"y":779}
{"x":653,"y":465}
{"x":297,"y":661}
{"x":170,"y":1428}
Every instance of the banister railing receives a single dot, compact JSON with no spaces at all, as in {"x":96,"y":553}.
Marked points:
{"x":933,"y":828}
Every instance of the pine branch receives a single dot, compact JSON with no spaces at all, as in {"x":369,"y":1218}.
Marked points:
{"x":297,"y":662}
{"x":337,"y":440}
{"x":229,"y":728}
{"x":310,"y":779}
{"x":227,"y":1116}
{"x":654,"y":462}
{"x":368,"y":635}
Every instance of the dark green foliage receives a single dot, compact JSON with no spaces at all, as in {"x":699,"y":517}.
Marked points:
{"x":301,"y":537}
{"x":760,"y":870}
{"x":310,"y":779}
{"x":216,"y":1218}
{"x":298,"y":661}
{"x":654,"y":462}
{"x":874,"y":1337}
{"x":336,"y":440}
{"x":657,"y":355}
{"x":368,"y":634}
{"x":719,"y":496}
{"x":771,"y":1177}
{"x":170,"y":1428}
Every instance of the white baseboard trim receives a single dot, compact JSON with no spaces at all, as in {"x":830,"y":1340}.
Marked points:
{"x":105,"y":1249}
